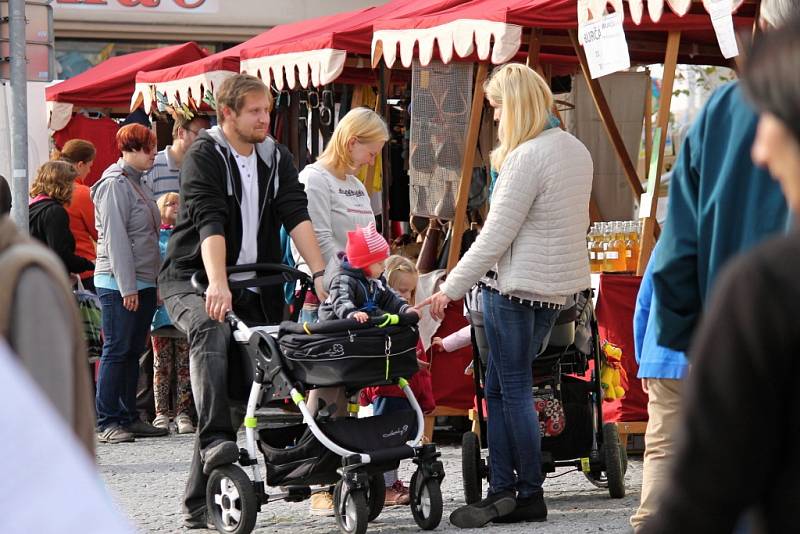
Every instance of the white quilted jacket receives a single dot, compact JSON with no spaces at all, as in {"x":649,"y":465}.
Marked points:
{"x":535,"y":234}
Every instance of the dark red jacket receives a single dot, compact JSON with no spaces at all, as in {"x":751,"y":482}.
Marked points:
{"x":420,"y":384}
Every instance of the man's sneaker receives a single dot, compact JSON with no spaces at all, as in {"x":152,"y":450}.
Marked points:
{"x":397,"y":495}
{"x":219,"y":453}
{"x":115,"y":434}
{"x":161,"y":421}
{"x":478,"y":514}
{"x":184,"y":424}
{"x":140,"y":429}
{"x":199,"y":520}
{"x":322,"y":504}
{"x":528,"y":509}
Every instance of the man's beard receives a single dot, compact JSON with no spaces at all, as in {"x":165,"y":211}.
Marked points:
{"x":251,"y":137}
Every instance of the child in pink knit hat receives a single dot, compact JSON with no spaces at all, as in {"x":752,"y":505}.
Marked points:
{"x":356,"y":286}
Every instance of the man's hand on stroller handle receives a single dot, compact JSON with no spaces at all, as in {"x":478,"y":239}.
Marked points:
{"x":218,"y":299}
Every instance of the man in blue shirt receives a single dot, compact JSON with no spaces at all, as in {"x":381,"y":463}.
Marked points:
{"x":662,"y":371}
{"x":720,"y":204}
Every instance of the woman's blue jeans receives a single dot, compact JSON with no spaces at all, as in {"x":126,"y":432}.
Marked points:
{"x":515,"y":333}
{"x":125,"y":339}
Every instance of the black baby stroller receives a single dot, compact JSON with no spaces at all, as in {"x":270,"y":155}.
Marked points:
{"x":578,"y":438}
{"x":287,"y":361}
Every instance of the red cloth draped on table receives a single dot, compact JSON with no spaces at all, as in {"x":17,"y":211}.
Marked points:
{"x":451,"y":387}
{"x":615,"y":306}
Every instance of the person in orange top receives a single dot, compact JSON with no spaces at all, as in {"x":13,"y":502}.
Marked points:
{"x":81,"y":154}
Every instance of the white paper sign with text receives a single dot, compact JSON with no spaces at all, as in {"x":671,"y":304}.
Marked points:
{"x":605,"y":45}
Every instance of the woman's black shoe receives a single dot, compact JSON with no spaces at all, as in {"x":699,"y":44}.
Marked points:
{"x":478,"y":514}
{"x":528,"y":509}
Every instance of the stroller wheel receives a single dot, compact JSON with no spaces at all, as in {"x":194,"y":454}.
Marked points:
{"x":426,"y":501}
{"x":231,"y":500}
{"x":615,"y":459}
{"x":471,"y":469}
{"x":351,"y":510}
{"x":377,"y":496}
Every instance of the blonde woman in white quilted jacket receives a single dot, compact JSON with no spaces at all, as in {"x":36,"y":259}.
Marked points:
{"x":534,"y":241}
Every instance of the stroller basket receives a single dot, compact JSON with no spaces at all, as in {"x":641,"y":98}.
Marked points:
{"x":294,"y":456}
{"x":352,"y":358}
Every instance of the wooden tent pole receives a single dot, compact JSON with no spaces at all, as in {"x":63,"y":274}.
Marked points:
{"x":648,"y":125}
{"x":607,"y":118}
{"x":534,"y":47}
{"x":386,"y":168}
{"x":470,"y":147}
{"x":650,"y":226}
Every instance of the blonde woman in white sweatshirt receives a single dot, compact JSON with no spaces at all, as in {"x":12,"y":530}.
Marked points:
{"x":337,"y":203}
{"x":534,"y":242}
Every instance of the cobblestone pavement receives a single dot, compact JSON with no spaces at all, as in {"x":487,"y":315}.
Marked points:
{"x":147,"y":479}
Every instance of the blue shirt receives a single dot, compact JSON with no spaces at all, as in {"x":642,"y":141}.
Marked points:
{"x":654,"y":360}
{"x":720,"y":204}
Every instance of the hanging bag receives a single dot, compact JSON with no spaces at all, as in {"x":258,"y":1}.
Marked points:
{"x":91,"y":315}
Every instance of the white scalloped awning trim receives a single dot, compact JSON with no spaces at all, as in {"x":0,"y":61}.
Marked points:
{"x":315,"y":67}
{"x":197,"y":85}
{"x":58,"y":115}
{"x":590,"y":9}
{"x":460,"y":36}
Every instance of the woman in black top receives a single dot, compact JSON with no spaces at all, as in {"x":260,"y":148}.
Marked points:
{"x":741,"y":429}
{"x":48,"y":220}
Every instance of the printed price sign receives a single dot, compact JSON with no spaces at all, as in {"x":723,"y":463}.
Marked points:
{"x":605,"y":45}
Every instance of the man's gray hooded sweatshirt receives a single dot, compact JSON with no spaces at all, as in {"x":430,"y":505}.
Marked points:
{"x":127,"y":221}
{"x":211,"y":193}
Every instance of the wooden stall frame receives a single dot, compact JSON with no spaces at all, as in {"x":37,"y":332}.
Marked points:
{"x":601,"y":104}
{"x":650,"y":225}
{"x":470,"y":148}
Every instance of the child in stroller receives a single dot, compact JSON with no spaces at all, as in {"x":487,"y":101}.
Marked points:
{"x":349,"y":452}
{"x":355,"y":283}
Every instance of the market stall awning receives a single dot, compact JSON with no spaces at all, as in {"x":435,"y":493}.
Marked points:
{"x":492,"y":30}
{"x":192,"y":80}
{"x":320,"y":57}
{"x":110,"y":84}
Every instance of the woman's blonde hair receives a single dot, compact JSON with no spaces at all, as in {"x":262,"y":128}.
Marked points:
{"x":361,"y":123}
{"x":55,"y":179}
{"x":396,"y":265}
{"x":526,"y":101}
{"x":163,"y":199}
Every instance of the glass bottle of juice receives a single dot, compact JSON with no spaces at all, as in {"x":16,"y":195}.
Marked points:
{"x":633,"y":243}
{"x":610,"y":255}
{"x":602,"y":247}
{"x":618,"y":244}
{"x":591,"y":237}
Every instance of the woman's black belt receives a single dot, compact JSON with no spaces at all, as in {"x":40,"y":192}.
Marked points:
{"x":524,"y":302}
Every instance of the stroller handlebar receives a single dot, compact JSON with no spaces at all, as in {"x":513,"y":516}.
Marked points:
{"x":267,"y":274}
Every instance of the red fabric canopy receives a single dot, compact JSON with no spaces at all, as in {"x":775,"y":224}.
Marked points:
{"x":229,"y":59}
{"x":352,"y":33}
{"x":477,"y":23}
{"x":110,"y":84}
{"x":318,"y":56}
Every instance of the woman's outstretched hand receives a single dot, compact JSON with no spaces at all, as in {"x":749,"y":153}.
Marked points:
{"x":438,"y":303}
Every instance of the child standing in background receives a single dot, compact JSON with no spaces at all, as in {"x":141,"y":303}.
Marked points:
{"x":170,"y":347}
{"x":402,"y":277}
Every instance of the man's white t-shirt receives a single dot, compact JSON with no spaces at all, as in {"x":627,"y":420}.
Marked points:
{"x":248,"y":171}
